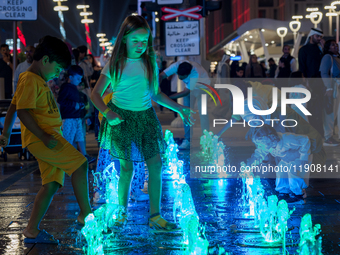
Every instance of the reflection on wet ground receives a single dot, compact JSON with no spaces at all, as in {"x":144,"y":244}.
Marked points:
{"x":216,"y":201}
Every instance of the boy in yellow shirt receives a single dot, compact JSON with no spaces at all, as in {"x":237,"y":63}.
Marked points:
{"x":41,"y":134}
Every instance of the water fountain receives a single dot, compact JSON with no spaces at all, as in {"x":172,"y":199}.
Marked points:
{"x":173,"y":167}
{"x":309,"y":244}
{"x":93,"y":233}
{"x":212,"y":149}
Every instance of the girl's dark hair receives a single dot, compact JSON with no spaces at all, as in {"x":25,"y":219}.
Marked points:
{"x":327,"y":46}
{"x":265,"y":131}
{"x":119,"y":53}
{"x":94,"y":62}
{"x":55,"y":49}
{"x":73,"y":70}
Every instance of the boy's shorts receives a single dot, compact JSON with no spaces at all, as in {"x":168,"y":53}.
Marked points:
{"x":73,"y":130}
{"x":54,"y":163}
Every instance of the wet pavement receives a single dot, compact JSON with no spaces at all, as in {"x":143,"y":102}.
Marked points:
{"x":216,"y":201}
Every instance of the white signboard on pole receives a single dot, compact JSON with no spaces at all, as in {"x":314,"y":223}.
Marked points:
{"x":182,"y":38}
{"x":161,"y":2}
{"x":18,"y":10}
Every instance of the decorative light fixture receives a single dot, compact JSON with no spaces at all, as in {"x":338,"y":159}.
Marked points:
{"x":334,"y":4}
{"x":86,"y":13}
{"x":86,"y":21}
{"x":282,"y":32}
{"x":60,"y":8}
{"x":314,"y":9}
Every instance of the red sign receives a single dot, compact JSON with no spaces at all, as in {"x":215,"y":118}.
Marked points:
{"x":177,"y":13}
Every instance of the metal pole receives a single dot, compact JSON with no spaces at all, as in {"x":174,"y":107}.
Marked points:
{"x":263,"y":42}
{"x":61,"y":23}
{"x":14,"y":51}
{"x":337,"y":27}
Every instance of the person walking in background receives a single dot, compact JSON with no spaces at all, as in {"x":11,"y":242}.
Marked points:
{"x":330,"y":73}
{"x":254,"y":69}
{"x":6,"y":69}
{"x":189,"y":72}
{"x":70,"y":110}
{"x":272,"y":67}
{"x":239,"y":72}
{"x":287,"y":64}
{"x":96,"y":70}
{"x":223,"y":69}
{"x":22,"y":67}
{"x":298,"y":81}
{"x":85,"y":64}
{"x":165,"y":85}
{"x":75,"y":56}
{"x":310,"y":57}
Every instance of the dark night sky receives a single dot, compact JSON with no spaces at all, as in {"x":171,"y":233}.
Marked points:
{"x":107,"y":16}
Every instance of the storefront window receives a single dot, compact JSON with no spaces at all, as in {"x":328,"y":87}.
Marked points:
{"x":266,"y":3}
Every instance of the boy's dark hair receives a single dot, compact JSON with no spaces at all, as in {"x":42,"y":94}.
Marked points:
{"x":73,"y":70}
{"x":82,"y":49}
{"x":239,"y":68}
{"x":184,"y":68}
{"x":55,"y":49}
{"x":271,"y":59}
{"x":4,"y":45}
{"x":265,"y":131}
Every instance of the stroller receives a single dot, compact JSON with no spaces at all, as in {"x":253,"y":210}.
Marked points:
{"x":14,"y":145}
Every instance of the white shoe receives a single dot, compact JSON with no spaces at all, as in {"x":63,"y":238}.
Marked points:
{"x":139,"y":196}
{"x":185,"y":145}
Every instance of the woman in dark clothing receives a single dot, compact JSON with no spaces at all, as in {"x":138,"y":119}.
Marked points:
{"x":96,"y":70}
{"x":254,"y":69}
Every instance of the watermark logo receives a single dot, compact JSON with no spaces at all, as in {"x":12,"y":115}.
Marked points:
{"x":238,"y":100}
{"x":204,"y":97}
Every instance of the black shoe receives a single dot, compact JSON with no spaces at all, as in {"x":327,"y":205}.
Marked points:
{"x":292,"y":198}
{"x":90,"y":159}
{"x":283,"y":195}
{"x":331,"y":142}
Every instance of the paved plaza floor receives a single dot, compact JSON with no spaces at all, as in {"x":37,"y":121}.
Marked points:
{"x":217,"y":202}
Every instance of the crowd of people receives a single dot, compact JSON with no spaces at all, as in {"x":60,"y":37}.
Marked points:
{"x":317,"y":69}
{"x":130,"y":130}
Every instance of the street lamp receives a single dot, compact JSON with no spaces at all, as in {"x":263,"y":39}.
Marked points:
{"x":86,"y":21}
{"x":293,"y":28}
{"x":282,"y":32}
{"x":102,"y":39}
{"x":337,"y":19}
{"x":330,"y":14}
{"x":313,"y":15}
{"x":60,"y":8}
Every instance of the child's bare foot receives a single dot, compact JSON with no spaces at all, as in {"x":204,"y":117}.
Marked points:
{"x":81,"y":218}
{"x":31,"y":233}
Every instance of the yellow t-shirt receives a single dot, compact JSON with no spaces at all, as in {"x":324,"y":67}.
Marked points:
{"x":106,"y":100}
{"x":34,"y":94}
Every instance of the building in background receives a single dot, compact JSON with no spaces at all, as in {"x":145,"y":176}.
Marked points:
{"x":239,"y":26}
